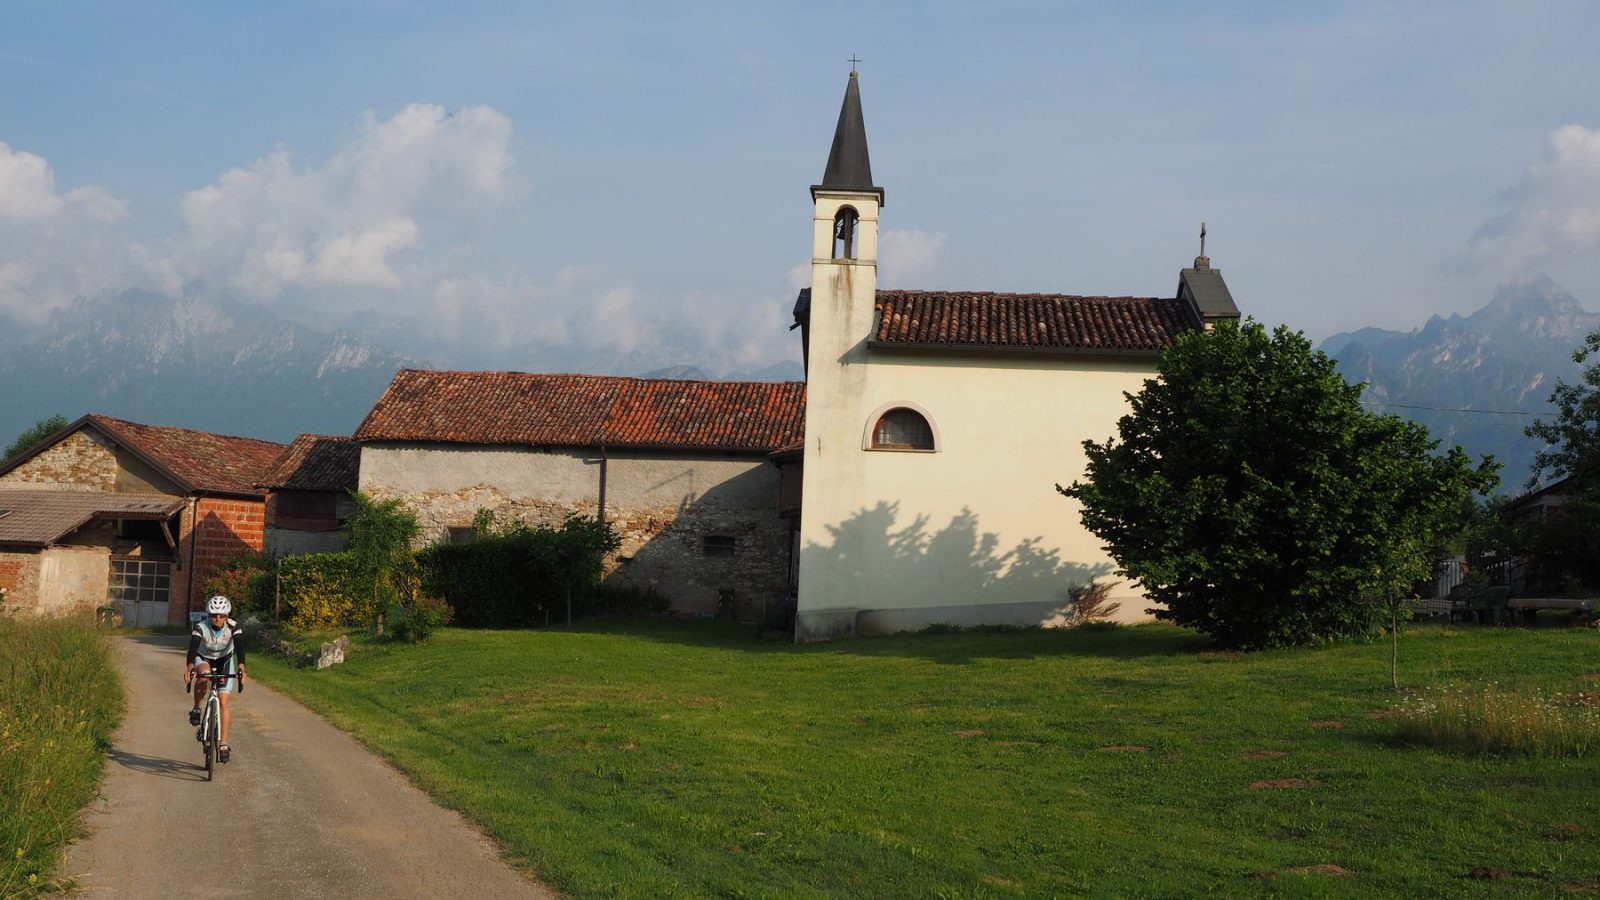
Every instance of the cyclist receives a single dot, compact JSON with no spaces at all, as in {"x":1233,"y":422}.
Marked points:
{"x":214,"y":647}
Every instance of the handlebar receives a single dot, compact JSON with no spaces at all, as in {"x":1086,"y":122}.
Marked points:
{"x":190,"y":679}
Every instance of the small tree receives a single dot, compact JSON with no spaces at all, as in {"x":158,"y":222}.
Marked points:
{"x":33,"y":436}
{"x":1572,"y":439}
{"x":577,"y":554}
{"x":378,"y":537}
{"x":1250,"y":493}
{"x":1563,"y":546}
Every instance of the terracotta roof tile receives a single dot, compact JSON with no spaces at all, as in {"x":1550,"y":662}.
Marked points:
{"x":586,"y":411}
{"x":208,"y":462}
{"x":1028,"y":321}
{"x":316,"y":462}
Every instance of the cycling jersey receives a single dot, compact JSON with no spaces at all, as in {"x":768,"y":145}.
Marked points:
{"x":213,"y":644}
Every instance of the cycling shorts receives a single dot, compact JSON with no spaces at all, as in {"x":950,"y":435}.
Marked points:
{"x":220,"y":664}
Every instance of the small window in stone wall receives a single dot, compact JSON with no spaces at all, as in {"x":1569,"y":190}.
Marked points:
{"x":462,"y":534}
{"x":719,"y":545}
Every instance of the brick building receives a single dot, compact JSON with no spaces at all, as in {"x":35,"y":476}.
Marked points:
{"x":679,"y":468}
{"x":110,"y":511}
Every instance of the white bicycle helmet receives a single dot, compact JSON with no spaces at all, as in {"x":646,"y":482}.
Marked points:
{"x":218,"y":606}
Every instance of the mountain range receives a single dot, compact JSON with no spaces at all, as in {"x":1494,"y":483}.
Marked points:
{"x":206,"y":361}
{"x":1475,"y":380}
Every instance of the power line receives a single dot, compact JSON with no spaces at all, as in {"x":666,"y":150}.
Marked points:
{"x":1461,"y":409}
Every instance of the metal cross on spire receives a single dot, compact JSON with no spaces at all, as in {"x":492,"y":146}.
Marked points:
{"x":1202,"y":239}
{"x":853,"y":60}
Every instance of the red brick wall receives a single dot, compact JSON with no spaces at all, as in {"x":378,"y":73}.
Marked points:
{"x":226,"y":528}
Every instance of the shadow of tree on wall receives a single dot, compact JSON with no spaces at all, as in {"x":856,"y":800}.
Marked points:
{"x":957,"y":565}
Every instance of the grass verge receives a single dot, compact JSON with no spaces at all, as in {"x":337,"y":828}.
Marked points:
{"x":60,"y":702}
{"x":672,"y":759}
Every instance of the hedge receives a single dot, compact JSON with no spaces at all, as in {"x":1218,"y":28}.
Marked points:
{"x":521,"y":576}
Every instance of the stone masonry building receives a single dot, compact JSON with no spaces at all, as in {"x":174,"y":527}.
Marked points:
{"x":136,"y":516}
{"x":679,"y":468}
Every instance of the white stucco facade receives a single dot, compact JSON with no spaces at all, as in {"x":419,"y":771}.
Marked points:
{"x":974,"y":531}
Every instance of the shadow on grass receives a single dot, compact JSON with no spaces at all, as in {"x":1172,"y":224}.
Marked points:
{"x":952,"y":648}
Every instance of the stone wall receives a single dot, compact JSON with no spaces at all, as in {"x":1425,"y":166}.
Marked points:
{"x":83,"y":461}
{"x":664,"y":507}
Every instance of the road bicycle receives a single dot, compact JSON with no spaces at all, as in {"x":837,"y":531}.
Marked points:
{"x":209,"y":732}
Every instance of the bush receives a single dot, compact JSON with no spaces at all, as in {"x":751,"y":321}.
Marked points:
{"x":1092,"y":601}
{"x":521,"y":576}
{"x":415,"y":624}
{"x":249,"y":580}
{"x":324,"y":590}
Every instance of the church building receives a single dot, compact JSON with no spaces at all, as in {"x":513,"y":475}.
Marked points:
{"x":938,"y":423}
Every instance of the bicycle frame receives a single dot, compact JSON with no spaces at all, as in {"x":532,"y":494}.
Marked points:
{"x":209,"y":732}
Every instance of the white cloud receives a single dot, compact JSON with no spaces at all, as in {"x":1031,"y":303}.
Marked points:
{"x":54,"y":246}
{"x":907,"y":257}
{"x":1553,"y":212}
{"x":28,"y":195}
{"x":344,"y":223}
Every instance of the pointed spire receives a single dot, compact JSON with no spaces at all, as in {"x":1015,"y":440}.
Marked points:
{"x":849,"y":167}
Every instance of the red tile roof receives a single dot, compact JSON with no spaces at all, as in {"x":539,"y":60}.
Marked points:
{"x":202,"y":461}
{"x":968,"y":319}
{"x":586,"y":411}
{"x":316,"y":462}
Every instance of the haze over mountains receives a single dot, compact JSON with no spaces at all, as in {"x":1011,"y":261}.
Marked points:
{"x":1499,"y":363}
{"x":208,"y":362}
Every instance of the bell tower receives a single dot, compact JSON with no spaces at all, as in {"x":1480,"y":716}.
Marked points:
{"x":837,"y":315}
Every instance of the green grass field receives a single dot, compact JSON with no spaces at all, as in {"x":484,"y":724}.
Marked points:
{"x":646,"y":758}
{"x":60,"y":701}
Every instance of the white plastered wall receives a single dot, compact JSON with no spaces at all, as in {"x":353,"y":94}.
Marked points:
{"x":974,"y":533}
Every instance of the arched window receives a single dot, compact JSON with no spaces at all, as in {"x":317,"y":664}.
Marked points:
{"x":844,"y":233}
{"x":902,"y":429}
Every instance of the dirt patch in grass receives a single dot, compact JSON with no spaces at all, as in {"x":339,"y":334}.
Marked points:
{"x":1564,"y":832}
{"x":1016,"y":743}
{"x":1383,"y":713}
{"x":1265,"y":754}
{"x":1282,"y":783}
{"x":1006,"y":883}
{"x":1327,"y":723}
{"x":1124,"y":748}
{"x":1488,"y":873}
{"x":1321,"y":869}
{"x":1583,"y":887}
{"x":968,"y":732}
{"x":1584,"y":698}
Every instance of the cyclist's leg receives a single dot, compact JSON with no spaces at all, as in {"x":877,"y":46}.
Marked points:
{"x":201,"y":667}
{"x":224,"y":694}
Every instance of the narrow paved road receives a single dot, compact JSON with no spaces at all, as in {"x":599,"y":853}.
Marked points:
{"x":301,"y":811}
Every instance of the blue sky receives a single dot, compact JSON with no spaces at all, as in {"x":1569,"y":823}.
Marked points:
{"x":593,"y":176}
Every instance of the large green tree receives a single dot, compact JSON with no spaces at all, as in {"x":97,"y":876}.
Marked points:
{"x":40,"y":430}
{"x":1250,"y":493}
